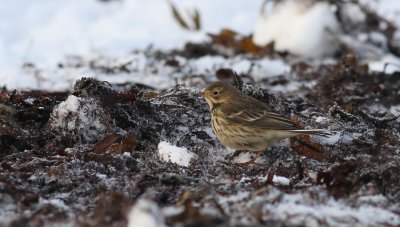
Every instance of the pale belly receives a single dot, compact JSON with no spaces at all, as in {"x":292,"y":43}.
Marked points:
{"x":244,"y":138}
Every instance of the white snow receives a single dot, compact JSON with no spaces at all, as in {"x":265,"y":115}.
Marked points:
{"x":330,"y":140}
{"x":43,"y":34}
{"x":269,"y":68}
{"x":145,"y":213}
{"x":300,"y":28}
{"x":149,"y":70}
{"x":321,"y":119}
{"x":311,"y":208}
{"x":55,"y":202}
{"x":174,"y":154}
{"x":280,"y":180}
{"x":373,"y":199}
{"x":295,"y":208}
{"x":354,"y":13}
{"x":388,"y":64}
{"x":70,"y":105}
{"x":69,"y":31}
{"x":247,"y":156}
{"x":81,"y":117}
{"x":172,"y":210}
{"x":388,"y":8}
{"x":395,"y":110}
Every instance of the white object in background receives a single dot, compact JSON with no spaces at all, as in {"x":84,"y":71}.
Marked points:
{"x":300,"y":27}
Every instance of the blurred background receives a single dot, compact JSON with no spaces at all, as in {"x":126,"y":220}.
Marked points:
{"x":45,"y":45}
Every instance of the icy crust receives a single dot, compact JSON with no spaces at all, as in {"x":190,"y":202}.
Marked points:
{"x":81,"y":118}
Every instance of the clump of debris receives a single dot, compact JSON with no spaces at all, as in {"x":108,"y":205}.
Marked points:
{"x":117,"y":154}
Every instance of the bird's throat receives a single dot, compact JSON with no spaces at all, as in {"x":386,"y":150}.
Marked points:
{"x":215,"y":106}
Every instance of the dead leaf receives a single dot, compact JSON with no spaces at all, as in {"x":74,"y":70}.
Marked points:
{"x":240,"y":44}
{"x":115,"y":143}
{"x":193,"y":24}
{"x":303,"y":145}
{"x":107,"y":141}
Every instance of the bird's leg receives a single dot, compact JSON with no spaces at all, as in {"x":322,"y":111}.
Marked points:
{"x":253,"y":160}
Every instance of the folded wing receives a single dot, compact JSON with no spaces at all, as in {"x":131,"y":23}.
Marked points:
{"x":261,"y":119}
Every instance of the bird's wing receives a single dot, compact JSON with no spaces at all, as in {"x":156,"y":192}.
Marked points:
{"x":264,"y":119}
{"x":257,"y":115}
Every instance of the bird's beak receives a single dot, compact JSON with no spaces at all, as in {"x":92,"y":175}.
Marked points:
{"x":203,"y":94}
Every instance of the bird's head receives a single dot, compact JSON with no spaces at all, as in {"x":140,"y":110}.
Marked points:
{"x":218,"y":92}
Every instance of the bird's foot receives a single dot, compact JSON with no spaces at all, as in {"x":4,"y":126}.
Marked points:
{"x":252,"y":161}
{"x":234,"y":155}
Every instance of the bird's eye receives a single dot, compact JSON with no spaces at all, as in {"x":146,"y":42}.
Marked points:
{"x":215,"y":93}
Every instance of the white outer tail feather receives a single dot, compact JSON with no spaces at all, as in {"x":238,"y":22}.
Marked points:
{"x":317,"y":132}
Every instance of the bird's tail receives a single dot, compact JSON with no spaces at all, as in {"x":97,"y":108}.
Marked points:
{"x":317,"y":132}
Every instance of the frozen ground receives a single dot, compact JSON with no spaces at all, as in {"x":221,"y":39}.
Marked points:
{"x":140,"y":150}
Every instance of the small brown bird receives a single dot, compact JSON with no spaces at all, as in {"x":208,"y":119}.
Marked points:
{"x":244,"y":123}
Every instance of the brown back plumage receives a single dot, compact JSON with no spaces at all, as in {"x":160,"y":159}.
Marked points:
{"x":240,"y":109}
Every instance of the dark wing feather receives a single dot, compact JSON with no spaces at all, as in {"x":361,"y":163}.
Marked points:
{"x":255,"y":114}
{"x":264,"y":119}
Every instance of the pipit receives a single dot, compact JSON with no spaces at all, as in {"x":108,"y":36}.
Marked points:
{"x":244,"y":123}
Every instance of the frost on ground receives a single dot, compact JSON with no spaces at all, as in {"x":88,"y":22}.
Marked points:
{"x":97,"y":155}
{"x":80,"y":117}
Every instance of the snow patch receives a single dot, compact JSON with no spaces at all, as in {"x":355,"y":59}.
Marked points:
{"x":294,"y":208}
{"x":145,"y":213}
{"x":38,"y":34}
{"x":312,"y":208}
{"x":330,"y":140}
{"x":353,"y":12}
{"x":174,"y":154}
{"x":281,"y":180}
{"x":80,"y":117}
{"x":321,"y":120}
{"x":388,"y":64}
{"x":55,"y":202}
{"x":268,"y":68}
{"x":29,"y":101}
